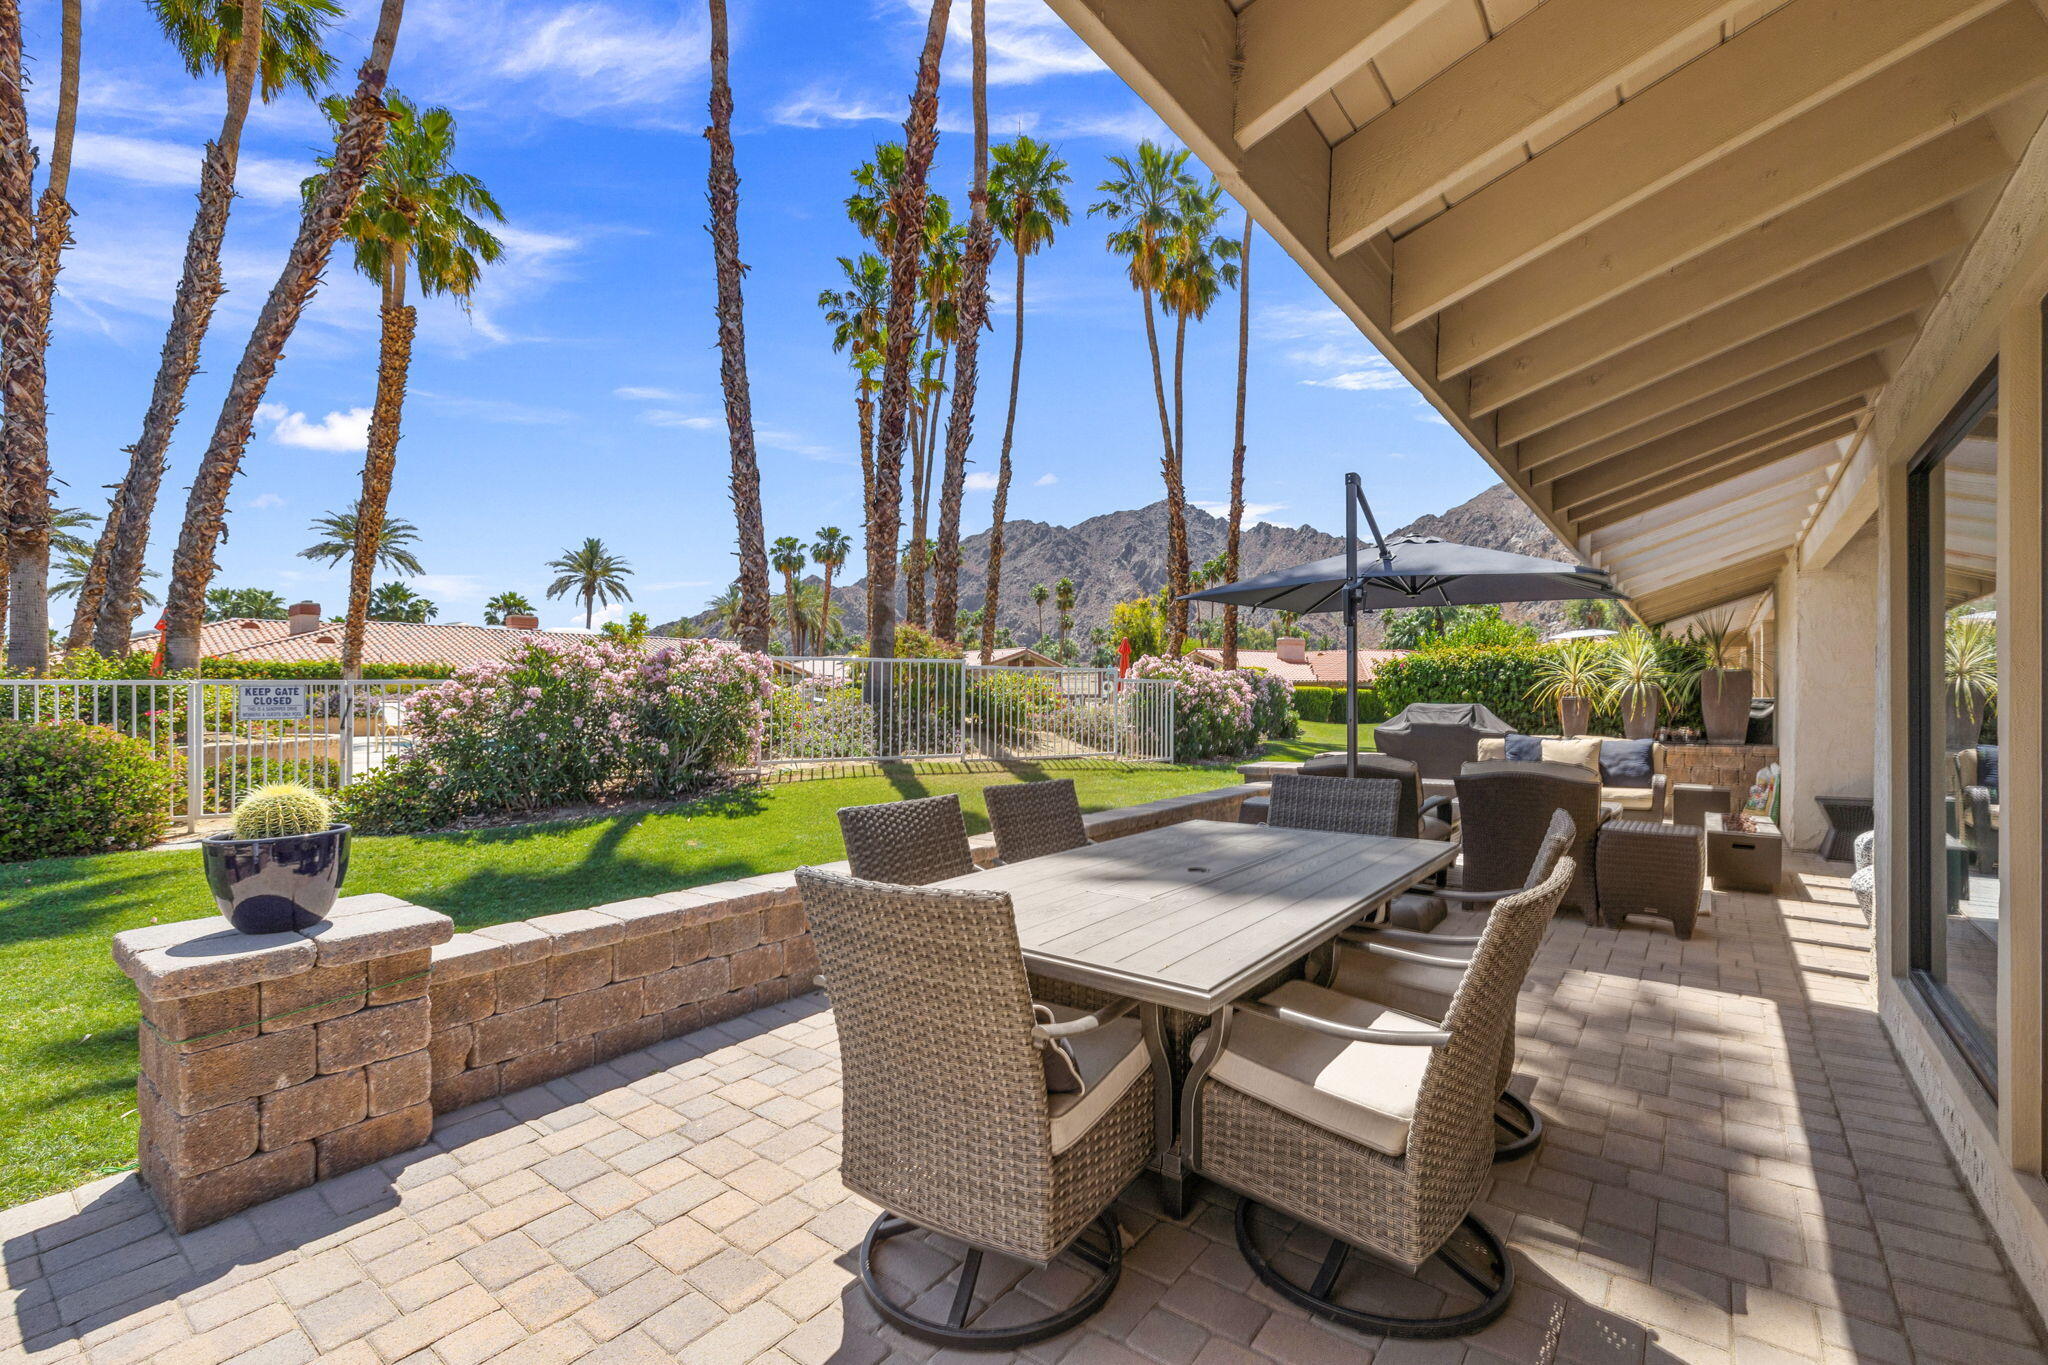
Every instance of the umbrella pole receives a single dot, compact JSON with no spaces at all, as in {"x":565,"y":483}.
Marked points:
{"x":1352,"y":493}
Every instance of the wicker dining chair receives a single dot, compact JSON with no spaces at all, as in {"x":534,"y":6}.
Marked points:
{"x":1419,"y":974}
{"x":1370,"y":1126}
{"x":1353,"y":805}
{"x":907,"y":843}
{"x":948,"y":1125}
{"x":1504,"y":812}
{"x":1032,"y":819}
{"x":1418,"y":818}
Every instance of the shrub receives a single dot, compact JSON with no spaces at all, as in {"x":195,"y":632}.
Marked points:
{"x":1214,"y":710}
{"x":402,"y":796}
{"x":69,"y":788}
{"x":1500,"y":679}
{"x":226,"y":783}
{"x":1326,"y":704}
{"x":1272,"y":705}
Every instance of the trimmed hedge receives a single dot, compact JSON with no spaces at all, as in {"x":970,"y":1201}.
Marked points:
{"x":67,"y":788}
{"x":1326,"y":704}
{"x":1501,"y":679}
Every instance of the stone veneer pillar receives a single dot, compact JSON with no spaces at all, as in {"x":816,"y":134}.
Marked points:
{"x":270,"y":1061}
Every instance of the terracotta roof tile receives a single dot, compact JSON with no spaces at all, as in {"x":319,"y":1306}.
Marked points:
{"x":384,"y":642}
{"x":1324,"y":667}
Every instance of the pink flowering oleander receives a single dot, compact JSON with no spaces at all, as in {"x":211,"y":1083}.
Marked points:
{"x":1216,"y":712}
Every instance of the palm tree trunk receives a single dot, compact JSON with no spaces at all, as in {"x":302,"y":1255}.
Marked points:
{"x":1176,"y":518}
{"x":825,"y":609}
{"x":394,"y":360}
{"x":973,"y":308}
{"x":753,"y":622}
{"x":865,"y":406}
{"x":1232,"y":537}
{"x":589,"y":607}
{"x":357,"y":147}
{"x":1002,"y":505}
{"x":118,"y":557}
{"x":914,"y":556}
{"x":24,"y":444}
{"x":796,"y":634}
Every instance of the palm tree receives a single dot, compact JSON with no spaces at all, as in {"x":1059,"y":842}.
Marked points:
{"x":503,"y":605}
{"x":855,"y":313}
{"x":416,"y":216}
{"x":396,"y":602}
{"x":593,"y":573}
{"x":320,"y":224}
{"x":1143,"y":201}
{"x":1233,"y":536}
{"x":786,"y":557}
{"x":285,"y":52}
{"x":73,"y":565}
{"x":1198,"y":265}
{"x":885,"y":492}
{"x":1063,"y":602}
{"x":1026,"y":202}
{"x":242,"y":604}
{"x":939,"y":287}
{"x":828,"y":552}
{"x":725,"y":610}
{"x":1039,"y":594}
{"x":341,"y":538}
{"x":751,"y":627}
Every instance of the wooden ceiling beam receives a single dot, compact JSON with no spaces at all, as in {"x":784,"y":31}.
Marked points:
{"x":1748,"y":523}
{"x":1657,"y":376}
{"x":1687,"y":400}
{"x":1293,"y":52}
{"x":1712,"y":589}
{"x":1718,"y":467}
{"x":1792,"y":480}
{"x":1772,"y":539}
{"x":1774,"y":75}
{"x":1896,"y":193}
{"x":1539,"y":68}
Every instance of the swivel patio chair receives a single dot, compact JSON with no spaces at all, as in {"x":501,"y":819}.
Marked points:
{"x":1370,"y":1126}
{"x":907,"y":843}
{"x":1419,"y":974}
{"x":1417,"y":818}
{"x":949,"y":1122}
{"x":1353,"y":805}
{"x":1032,"y":819}
{"x":1504,"y":810}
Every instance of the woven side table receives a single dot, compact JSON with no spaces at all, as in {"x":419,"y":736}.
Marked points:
{"x":1647,"y":868}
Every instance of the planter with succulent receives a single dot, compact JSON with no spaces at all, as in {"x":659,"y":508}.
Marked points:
{"x":1635,"y":683}
{"x":1970,"y":664}
{"x":1570,"y":677}
{"x":1725,"y":690}
{"x":282,"y":866}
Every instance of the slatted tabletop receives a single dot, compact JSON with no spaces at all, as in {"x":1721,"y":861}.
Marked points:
{"x":1195,"y":914}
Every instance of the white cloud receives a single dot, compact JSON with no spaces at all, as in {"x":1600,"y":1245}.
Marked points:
{"x":446,"y":585}
{"x":981,"y":480}
{"x":640,"y":394}
{"x":1376,"y":376}
{"x":263,"y":501}
{"x":1254,"y":512}
{"x":818,"y":106}
{"x":587,"y":60}
{"x":1027,"y":42}
{"x":159,"y":161}
{"x":1045,"y":480}
{"x":663,"y":417}
{"x":777,"y":439}
{"x":340,"y":431}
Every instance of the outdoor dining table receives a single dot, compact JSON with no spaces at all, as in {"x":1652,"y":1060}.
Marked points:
{"x":1194,"y":916}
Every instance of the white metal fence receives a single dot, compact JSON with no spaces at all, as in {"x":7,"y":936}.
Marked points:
{"x":840,"y":708}
{"x":341,"y":731}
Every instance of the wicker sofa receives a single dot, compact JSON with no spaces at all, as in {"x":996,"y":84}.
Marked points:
{"x":1976,"y":778}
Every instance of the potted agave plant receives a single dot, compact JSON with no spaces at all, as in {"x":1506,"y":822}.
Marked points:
{"x":1725,"y":690}
{"x":283,"y":864}
{"x":1635,"y":682}
{"x":1569,"y":677}
{"x":1970,"y":662}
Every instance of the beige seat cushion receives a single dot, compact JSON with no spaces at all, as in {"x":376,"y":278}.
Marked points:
{"x":1628,"y":798}
{"x":1110,"y":1060}
{"x":1492,"y":750}
{"x":1582,"y":752}
{"x":1362,"y":1091}
{"x":1410,"y":987}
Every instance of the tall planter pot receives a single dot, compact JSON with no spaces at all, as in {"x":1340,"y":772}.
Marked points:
{"x":1574,"y":715}
{"x":1640,"y":722}
{"x":1724,"y":703}
{"x":271,"y":886}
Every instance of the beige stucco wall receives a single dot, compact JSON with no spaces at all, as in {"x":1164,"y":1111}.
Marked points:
{"x":1827,"y":685}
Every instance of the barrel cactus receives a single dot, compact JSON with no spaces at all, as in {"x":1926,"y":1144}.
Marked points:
{"x":282,"y":808}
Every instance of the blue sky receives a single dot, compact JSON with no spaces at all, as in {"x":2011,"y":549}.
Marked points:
{"x":580,"y":397}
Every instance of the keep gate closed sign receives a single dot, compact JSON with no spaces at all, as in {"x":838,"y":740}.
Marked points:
{"x":270,"y":701}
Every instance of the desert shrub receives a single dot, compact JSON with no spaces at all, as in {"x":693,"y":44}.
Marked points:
{"x":820,"y":720}
{"x":1214,"y":709}
{"x":68,"y":788}
{"x":226,"y":783}
{"x":1005,"y":705}
{"x":402,"y":796}
{"x":691,"y":710}
{"x":1272,"y":705}
{"x":914,"y":642}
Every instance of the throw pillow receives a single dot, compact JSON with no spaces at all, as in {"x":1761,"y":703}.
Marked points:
{"x":1525,"y":748}
{"x":1987,"y":767}
{"x":1583,"y":752}
{"x":1062,"y":1076}
{"x":1627,"y":762}
{"x":1491,"y":750}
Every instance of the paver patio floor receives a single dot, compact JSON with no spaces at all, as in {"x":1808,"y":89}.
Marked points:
{"x":1737,"y":1169}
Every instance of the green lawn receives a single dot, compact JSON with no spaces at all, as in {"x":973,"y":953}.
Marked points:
{"x":67,"y":1038}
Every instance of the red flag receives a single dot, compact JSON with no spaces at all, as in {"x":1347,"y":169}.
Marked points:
{"x":156,"y":665}
{"x":1123,"y":657}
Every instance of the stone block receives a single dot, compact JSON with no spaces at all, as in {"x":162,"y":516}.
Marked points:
{"x":319,"y":1106}
{"x":468,"y":955}
{"x":200,"y":956}
{"x":575,"y":931}
{"x":800,"y":957}
{"x":399,"y":1083}
{"x":195,"y":1023}
{"x":461,"y":1091}
{"x":402,"y":976}
{"x":643,"y":956}
{"x":448,"y":1050}
{"x":731,"y":1005}
{"x":463,"y":1000}
{"x":306,"y":999}
{"x":617,"y":1042}
{"x":196,"y":1201}
{"x":643,"y":916}
{"x":523,"y":943}
{"x":195,"y":1082}
{"x":692,"y":943}
{"x":595,"y":1011}
{"x":366,"y":1143}
{"x":358,"y":937}
{"x":204,"y":1142}
{"x":372,"y":1035}
{"x":735,"y":933}
{"x":573,"y":973}
{"x":681,"y":1020}
{"x":681,"y":986}
{"x":522,"y":985}
{"x":722,"y":900}
{"x":756,"y":965}
{"x":505,"y":1036}
{"x":783,"y":922}
{"x":552,"y":1061}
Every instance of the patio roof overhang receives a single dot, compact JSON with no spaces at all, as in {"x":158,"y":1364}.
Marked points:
{"x":1658,"y":264}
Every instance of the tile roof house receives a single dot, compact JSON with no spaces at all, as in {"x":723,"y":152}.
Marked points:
{"x":1302,"y":666}
{"x":305,"y":636}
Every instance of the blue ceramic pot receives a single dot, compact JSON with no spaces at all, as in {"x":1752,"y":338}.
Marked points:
{"x":268,"y":886}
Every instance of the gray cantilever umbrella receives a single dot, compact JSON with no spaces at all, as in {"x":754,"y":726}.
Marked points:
{"x":1406,"y":572}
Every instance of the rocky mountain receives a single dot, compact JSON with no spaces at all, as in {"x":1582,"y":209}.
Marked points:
{"x":1121,"y":555}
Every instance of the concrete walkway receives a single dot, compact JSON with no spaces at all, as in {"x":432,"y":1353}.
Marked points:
{"x":1737,"y":1171}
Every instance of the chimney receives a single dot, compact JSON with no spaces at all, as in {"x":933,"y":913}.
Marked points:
{"x":304,"y":616}
{"x":522,"y":622}
{"x":1293,"y":649}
